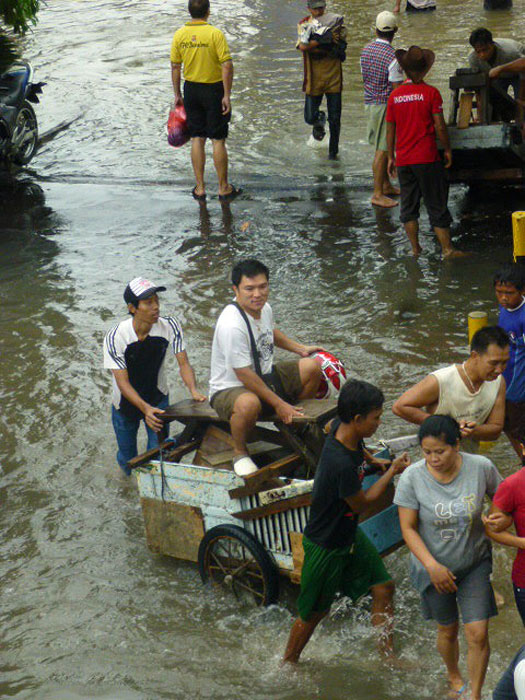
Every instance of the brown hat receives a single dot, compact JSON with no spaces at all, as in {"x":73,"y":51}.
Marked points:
{"x":416,"y":62}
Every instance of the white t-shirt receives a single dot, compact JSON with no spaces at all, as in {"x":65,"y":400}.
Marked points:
{"x":231,"y":348}
{"x":145,"y":359}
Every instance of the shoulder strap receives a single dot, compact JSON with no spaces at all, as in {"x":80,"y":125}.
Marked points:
{"x":255,"y":352}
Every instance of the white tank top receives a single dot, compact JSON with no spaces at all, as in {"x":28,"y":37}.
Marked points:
{"x":457,"y":401}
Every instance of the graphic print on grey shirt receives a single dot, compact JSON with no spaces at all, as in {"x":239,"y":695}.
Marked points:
{"x":449,"y":515}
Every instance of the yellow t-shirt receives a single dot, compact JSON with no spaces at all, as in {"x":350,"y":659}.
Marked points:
{"x":202,"y":49}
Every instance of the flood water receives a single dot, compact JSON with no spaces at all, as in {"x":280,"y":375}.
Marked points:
{"x":87,"y":611}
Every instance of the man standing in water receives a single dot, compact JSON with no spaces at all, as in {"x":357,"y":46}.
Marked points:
{"x":135,"y":352}
{"x":244,"y":382}
{"x":473,"y":393}
{"x":381,"y":73}
{"x":414,"y":116}
{"x":322,"y":41}
{"x":338,"y":556}
{"x":208,"y":78}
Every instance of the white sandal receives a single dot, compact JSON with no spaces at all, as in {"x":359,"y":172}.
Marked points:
{"x":243,"y":466}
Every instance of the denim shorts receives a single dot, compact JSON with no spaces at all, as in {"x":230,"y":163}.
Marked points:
{"x":474,"y":597}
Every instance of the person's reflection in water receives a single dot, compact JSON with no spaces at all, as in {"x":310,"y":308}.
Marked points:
{"x":204,"y":220}
{"x":227,"y":218}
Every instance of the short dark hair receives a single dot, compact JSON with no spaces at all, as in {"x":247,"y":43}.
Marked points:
{"x":480,"y":37}
{"x":443,"y":427}
{"x":386,"y":35}
{"x":248,"y":268}
{"x":198,"y":8}
{"x":511,"y":273}
{"x":358,"y":398}
{"x":487,"y":336}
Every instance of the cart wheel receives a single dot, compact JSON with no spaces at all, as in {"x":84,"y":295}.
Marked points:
{"x":231,"y":557}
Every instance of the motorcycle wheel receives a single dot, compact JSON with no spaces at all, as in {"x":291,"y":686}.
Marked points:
{"x":25,"y":135}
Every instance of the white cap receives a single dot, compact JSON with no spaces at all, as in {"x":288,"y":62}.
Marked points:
{"x":386,"y":21}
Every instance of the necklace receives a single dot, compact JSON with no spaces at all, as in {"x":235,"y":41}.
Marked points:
{"x":473,"y":389}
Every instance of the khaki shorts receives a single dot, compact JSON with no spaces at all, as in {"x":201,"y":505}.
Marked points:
{"x":376,"y":126}
{"x":223,"y":401}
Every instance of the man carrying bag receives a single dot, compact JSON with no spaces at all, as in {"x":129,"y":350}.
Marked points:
{"x":242,"y":357}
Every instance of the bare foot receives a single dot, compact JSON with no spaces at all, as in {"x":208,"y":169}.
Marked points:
{"x":500,"y":600}
{"x":397,"y":664}
{"x":416,"y":252}
{"x":454,"y":253}
{"x":390,"y":189}
{"x":382,"y":201}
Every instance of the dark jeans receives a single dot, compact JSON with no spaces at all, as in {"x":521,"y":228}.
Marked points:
{"x":519,"y":597}
{"x":126,"y":430}
{"x":311,"y":116}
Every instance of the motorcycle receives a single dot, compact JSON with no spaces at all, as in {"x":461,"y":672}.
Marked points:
{"x":18,"y":123}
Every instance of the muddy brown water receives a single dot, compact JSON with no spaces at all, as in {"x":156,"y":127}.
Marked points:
{"x":87,"y":611}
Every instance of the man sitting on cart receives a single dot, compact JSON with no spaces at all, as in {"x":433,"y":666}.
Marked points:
{"x":244,"y":382}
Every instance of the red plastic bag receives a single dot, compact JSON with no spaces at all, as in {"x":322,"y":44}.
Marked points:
{"x":177,"y":127}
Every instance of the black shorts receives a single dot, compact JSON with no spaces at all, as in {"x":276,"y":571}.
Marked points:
{"x":425,"y":180}
{"x":203,"y":104}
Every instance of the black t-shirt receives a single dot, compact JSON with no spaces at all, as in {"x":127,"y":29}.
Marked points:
{"x":332,"y":524}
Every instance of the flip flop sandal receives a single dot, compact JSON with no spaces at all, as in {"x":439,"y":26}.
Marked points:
{"x":234,"y":192}
{"x":198,"y":197}
{"x":458,"y":693}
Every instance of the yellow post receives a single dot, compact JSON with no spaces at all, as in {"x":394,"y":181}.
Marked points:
{"x":476,"y":320}
{"x":518,"y":235}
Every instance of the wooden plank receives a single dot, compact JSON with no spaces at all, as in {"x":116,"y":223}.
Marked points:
{"x":296,"y":540}
{"x":298,"y":445}
{"x":316,"y":410}
{"x":253,"y":482}
{"x":173,"y":529}
{"x":283,"y":491}
{"x":272,"y":508}
{"x":173,"y":454}
{"x":255,"y":448}
{"x":188,"y":408}
{"x":465,"y":109}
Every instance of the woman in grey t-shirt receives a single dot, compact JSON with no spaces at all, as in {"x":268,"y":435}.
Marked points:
{"x":440,"y":501}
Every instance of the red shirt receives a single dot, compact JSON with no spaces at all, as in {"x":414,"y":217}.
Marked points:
{"x":510,"y":498}
{"x":411,"y":107}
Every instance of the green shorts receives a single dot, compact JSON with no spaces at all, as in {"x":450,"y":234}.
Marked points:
{"x":288,"y":371}
{"x":376,"y":126}
{"x":350,"y":571}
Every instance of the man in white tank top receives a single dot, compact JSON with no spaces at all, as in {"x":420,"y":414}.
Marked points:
{"x":473,"y":392}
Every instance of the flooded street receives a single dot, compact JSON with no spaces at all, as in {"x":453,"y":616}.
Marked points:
{"x":87,"y":610}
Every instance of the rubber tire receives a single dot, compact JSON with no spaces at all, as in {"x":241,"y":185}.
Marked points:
{"x":24,"y":160}
{"x":267,"y":566}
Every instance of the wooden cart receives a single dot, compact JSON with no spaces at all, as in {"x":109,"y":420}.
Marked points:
{"x":244,"y":532}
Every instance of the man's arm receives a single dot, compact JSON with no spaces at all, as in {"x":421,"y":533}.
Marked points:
{"x":442,"y":132}
{"x":227,"y":81}
{"x":492,"y":427}
{"x":175,"y":80}
{"x":410,"y":406}
{"x":128,"y":392}
{"x":397,"y":5}
{"x":282,"y":341}
{"x":255,"y":384}
{"x":517,"y":66}
{"x":362,"y":499}
{"x":391,"y":143}
{"x":188,"y":375}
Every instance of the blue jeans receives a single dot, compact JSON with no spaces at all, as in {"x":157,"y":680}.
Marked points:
{"x":333,"y":104}
{"x":126,"y":430}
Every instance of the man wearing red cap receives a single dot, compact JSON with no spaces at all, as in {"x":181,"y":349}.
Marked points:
{"x":135,"y":352}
